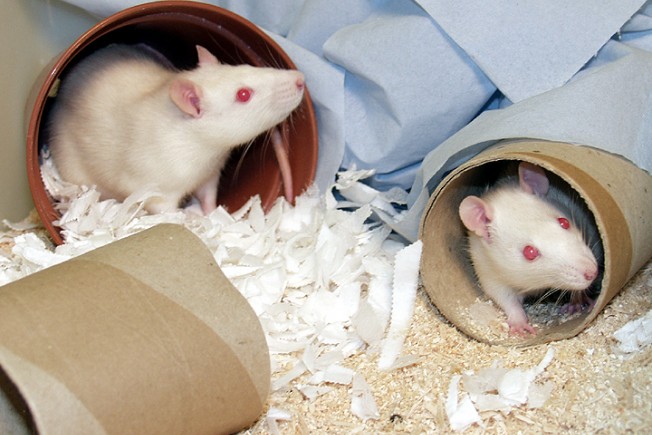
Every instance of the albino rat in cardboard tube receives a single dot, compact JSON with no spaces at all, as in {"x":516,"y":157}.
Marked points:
{"x":525,"y":237}
{"x":124,"y":119}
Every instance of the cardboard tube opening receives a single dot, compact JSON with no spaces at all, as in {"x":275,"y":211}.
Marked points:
{"x":15,"y":415}
{"x":144,"y":335}
{"x":617,"y":194}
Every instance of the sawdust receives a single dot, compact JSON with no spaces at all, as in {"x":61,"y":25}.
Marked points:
{"x":485,"y":319}
{"x":594,"y":389}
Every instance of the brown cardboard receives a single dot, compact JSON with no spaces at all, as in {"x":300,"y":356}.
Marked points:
{"x":618,"y":193}
{"x":144,"y":335}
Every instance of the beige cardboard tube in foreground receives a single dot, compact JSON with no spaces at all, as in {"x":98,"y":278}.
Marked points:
{"x":145,"y":335}
{"x":618,"y":193}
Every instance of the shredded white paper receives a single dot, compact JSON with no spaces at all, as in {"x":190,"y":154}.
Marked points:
{"x":406,"y":274}
{"x":495,"y":388}
{"x":634,"y":335}
{"x":274,"y":415}
{"x":319,"y":275}
{"x":461,"y":414}
{"x":363,"y":404}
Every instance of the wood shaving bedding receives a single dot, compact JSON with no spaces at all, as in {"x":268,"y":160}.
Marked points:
{"x":594,"y":390}
{"x":329,"y":380}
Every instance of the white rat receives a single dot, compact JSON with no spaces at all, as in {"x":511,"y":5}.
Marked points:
{"x":124,"y":119}
{"x":523,"y":239}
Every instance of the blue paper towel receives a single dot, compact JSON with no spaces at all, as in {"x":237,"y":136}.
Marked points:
{"x":397,"y":84}
{"x":528,"y":47}
{"x":608,"y":107}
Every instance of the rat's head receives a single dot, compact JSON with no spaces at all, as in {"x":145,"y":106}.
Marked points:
{"x":531,"y":244}
{"x":236,"y":102}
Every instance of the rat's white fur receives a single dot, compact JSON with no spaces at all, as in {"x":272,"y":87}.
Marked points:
{"x":513,"y":219}
{"x":116,"y":126}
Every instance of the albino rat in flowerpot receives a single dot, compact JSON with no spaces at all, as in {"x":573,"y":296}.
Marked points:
{"x":125,"y":119}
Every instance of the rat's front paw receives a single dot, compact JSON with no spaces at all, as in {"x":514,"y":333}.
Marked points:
{"x":519,"y":325}
{"x":522,"y":330}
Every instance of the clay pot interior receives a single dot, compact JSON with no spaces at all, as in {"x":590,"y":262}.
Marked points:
{"x":174,"y":28}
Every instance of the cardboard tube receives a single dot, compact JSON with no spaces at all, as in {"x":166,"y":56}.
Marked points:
{"x":144,"y":335}
{"x":618,"y":193}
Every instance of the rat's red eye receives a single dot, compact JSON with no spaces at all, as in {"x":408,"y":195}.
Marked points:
{"x":565,"y":224}
{"x":243,"y":95}
{"x":530,"y":253}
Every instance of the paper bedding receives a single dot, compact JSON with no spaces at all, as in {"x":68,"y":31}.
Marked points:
{"x":324,"y":283}
{"x":320,"y":279}
{"x":405,"y":92}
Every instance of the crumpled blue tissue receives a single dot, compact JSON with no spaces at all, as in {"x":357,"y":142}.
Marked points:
{"x":412,"y":88}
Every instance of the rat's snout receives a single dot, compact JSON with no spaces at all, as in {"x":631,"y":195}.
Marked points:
{"x":590,"y":273}
{"x":587,"y":271}
{"x":300,"y":81}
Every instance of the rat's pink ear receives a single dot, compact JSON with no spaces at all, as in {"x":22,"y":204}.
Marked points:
{"x":476,"y":215}
{"x":533,"y":179}
{"x":187,"y":96}
{"x":206,"y":57}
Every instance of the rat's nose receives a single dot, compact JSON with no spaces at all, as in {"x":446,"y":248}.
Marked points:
{"x":591,"y":272}
{"x":590,"y":275}
{"x":300,"y":84}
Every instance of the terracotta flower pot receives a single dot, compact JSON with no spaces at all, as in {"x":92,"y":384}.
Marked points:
{"x":174,"y":28}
